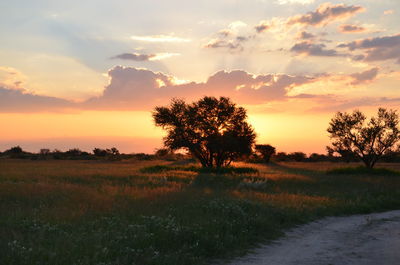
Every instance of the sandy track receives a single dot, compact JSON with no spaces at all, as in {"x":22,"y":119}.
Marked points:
{"x":359,"y":239}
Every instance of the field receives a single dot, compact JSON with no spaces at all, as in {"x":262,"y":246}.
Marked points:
{"x":159,"y":212}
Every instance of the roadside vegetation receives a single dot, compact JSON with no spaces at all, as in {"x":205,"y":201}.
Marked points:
{"x":170,"y":212}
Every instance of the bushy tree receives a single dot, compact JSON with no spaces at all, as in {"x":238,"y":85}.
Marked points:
{"x":16,"y":150}
{"x":74,"y":152}
{"x":266,"y":151}
{"x":44,"y":151}
{"x":99,"y":152}
{"x":281,"y":156}
{"x":113,"y":152}
{"x":213,"y":130}
{"x":297,"y":156}
{"x":369,"y":141}
{"x":162,"y":152}
{"x":315,"y":157}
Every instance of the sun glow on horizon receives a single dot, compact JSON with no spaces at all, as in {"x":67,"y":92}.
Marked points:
{"x":288,"y":133}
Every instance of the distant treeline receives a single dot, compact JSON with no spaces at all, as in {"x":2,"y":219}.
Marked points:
{"x":314,"y":157}
{"x":114,"y":154}
{"x":73,"y":154}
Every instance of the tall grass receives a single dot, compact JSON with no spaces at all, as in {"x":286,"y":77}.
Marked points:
{"x":362,"y":170}
{"x":222,"y":170}
{"x":155,"y":212}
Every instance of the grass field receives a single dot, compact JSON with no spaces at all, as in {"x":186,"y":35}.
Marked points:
{"x":158,"y":212}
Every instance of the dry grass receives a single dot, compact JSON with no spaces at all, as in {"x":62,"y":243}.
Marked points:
{"x":324,"y":166}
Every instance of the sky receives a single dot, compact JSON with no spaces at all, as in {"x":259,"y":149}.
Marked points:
{"x":85,"y":74}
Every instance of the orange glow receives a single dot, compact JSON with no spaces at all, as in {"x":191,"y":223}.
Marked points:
{"x":288,"y":132}
{"x":83,"y":124}
{"x":128,"y":131}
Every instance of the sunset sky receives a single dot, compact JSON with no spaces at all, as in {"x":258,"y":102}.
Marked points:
{"x":88,"y":73}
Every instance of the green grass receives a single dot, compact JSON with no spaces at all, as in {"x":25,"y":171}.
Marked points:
{"x":154,"y":212}
{"x":222,"y":170}
{"x":361,"y":170}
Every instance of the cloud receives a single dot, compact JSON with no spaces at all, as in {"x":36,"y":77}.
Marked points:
{"x":388,"y":12}
{"x":303,"y":2}
{"x":333,"y":104}
{"x":312,"y":49}
{"x":231,"y":45}
{"x":159,"y":38}
{"x":364,"y":77}
{"x":134,"y":56}
{"x":231,"y":39}
{"x":164,"y":55}
{"x":336,"y":84}
{"x":225,"y":33}
{"x":140,"y":89}
{"x":376,"y":49}
{"x":304,"y":35}
{"x":347,"y":28}
{"x":12,"y":100}
{"x":144,"y":57}
{"x":236,"y":25}
{"x":263,"y":26}
{"x":11,"y":78}
{"x":132,"y":88}
{"x":325,"y":14}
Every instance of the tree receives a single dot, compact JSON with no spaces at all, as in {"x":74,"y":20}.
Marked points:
{"x":297,"y":156}
{"x":162,"y":152}
{"x":74,"y":152}
{"x":15,"y":152}
{"x":99,"y":152}
{"x":281,"y":156}
{"x":44,"y":151}
{"x":315,"y":157}
{"x":113,"y":152}
{"x":265,"y":150}
{"x":213,"y":130}
{"x":368,"y":141}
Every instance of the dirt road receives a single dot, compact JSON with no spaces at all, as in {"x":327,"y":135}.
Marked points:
{"x":356,"y":240}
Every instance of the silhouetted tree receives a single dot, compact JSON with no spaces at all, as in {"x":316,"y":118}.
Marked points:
{"x":16,"y":150}
{"x":74,"y":152}
{"x":109,"y":153}
{"x":57,"y":154}
{"x":315,"y":157}
{"x":44,"y":151}
{"x":100,"y":152}
{"x":114,"y":151}
{"x":266,"y":151}
{"x":162,"y":152}
{"x":297,"y":156}
{"x":281,"y":156}
{"x":368,"y":141}
{"x":214,"y":130}
{"x":345,"y":155}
